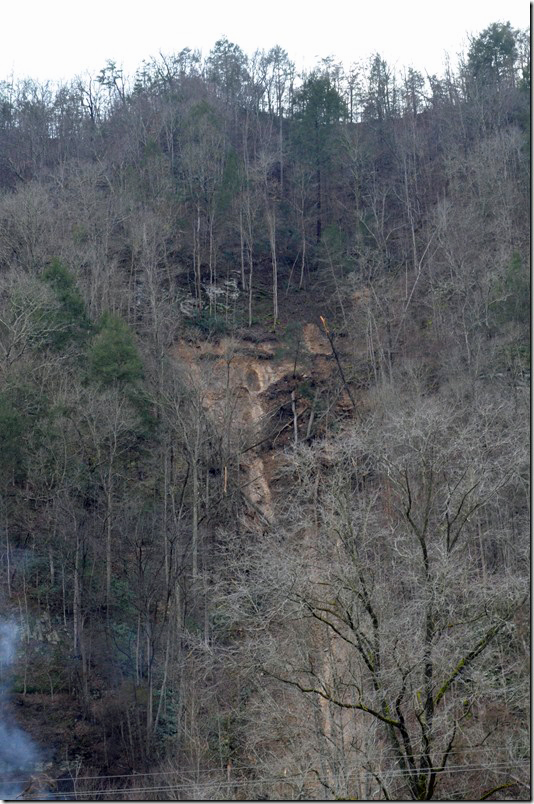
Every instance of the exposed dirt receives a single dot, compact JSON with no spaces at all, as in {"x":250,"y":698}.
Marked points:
{"x":232,"y":375}
{"x":270,"y":383}
{"x":316,"y":341}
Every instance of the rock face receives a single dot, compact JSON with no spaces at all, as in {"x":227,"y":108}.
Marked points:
{"x":258,"y":383}
{"x":43,"y":630}
{"x":234,"y":377}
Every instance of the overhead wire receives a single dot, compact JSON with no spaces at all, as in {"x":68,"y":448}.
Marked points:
{"x":176,"y":790}
{"x":454,"y":769}
{"x":236,"y":768}
{"x":193,"y":785}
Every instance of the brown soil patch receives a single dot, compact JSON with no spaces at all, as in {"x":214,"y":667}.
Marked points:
{"x":316,"y":341}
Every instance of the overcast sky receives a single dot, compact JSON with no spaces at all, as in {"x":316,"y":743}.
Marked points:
{"x":58,"y":39}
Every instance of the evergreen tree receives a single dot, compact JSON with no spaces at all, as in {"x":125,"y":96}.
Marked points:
{"x":318,"y":110}
{"x":492,"y":55}
{"x":113,"y":356}
{"x":69,"y":321}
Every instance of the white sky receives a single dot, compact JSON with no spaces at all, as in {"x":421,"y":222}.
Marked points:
{"x":58,"y":39}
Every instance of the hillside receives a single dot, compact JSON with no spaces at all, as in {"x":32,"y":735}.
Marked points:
{"x":264,"y":425}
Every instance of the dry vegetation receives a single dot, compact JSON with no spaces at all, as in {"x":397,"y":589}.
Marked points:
{"x":264,"y":406}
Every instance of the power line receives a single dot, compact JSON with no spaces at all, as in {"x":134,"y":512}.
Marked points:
{"x":235,"y":768}
{"x":253,"y":783}
{"x":237,"y":783}
{"x":180,"y":789}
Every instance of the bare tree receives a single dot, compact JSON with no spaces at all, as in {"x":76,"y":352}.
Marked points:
{"x":391,"y":607}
